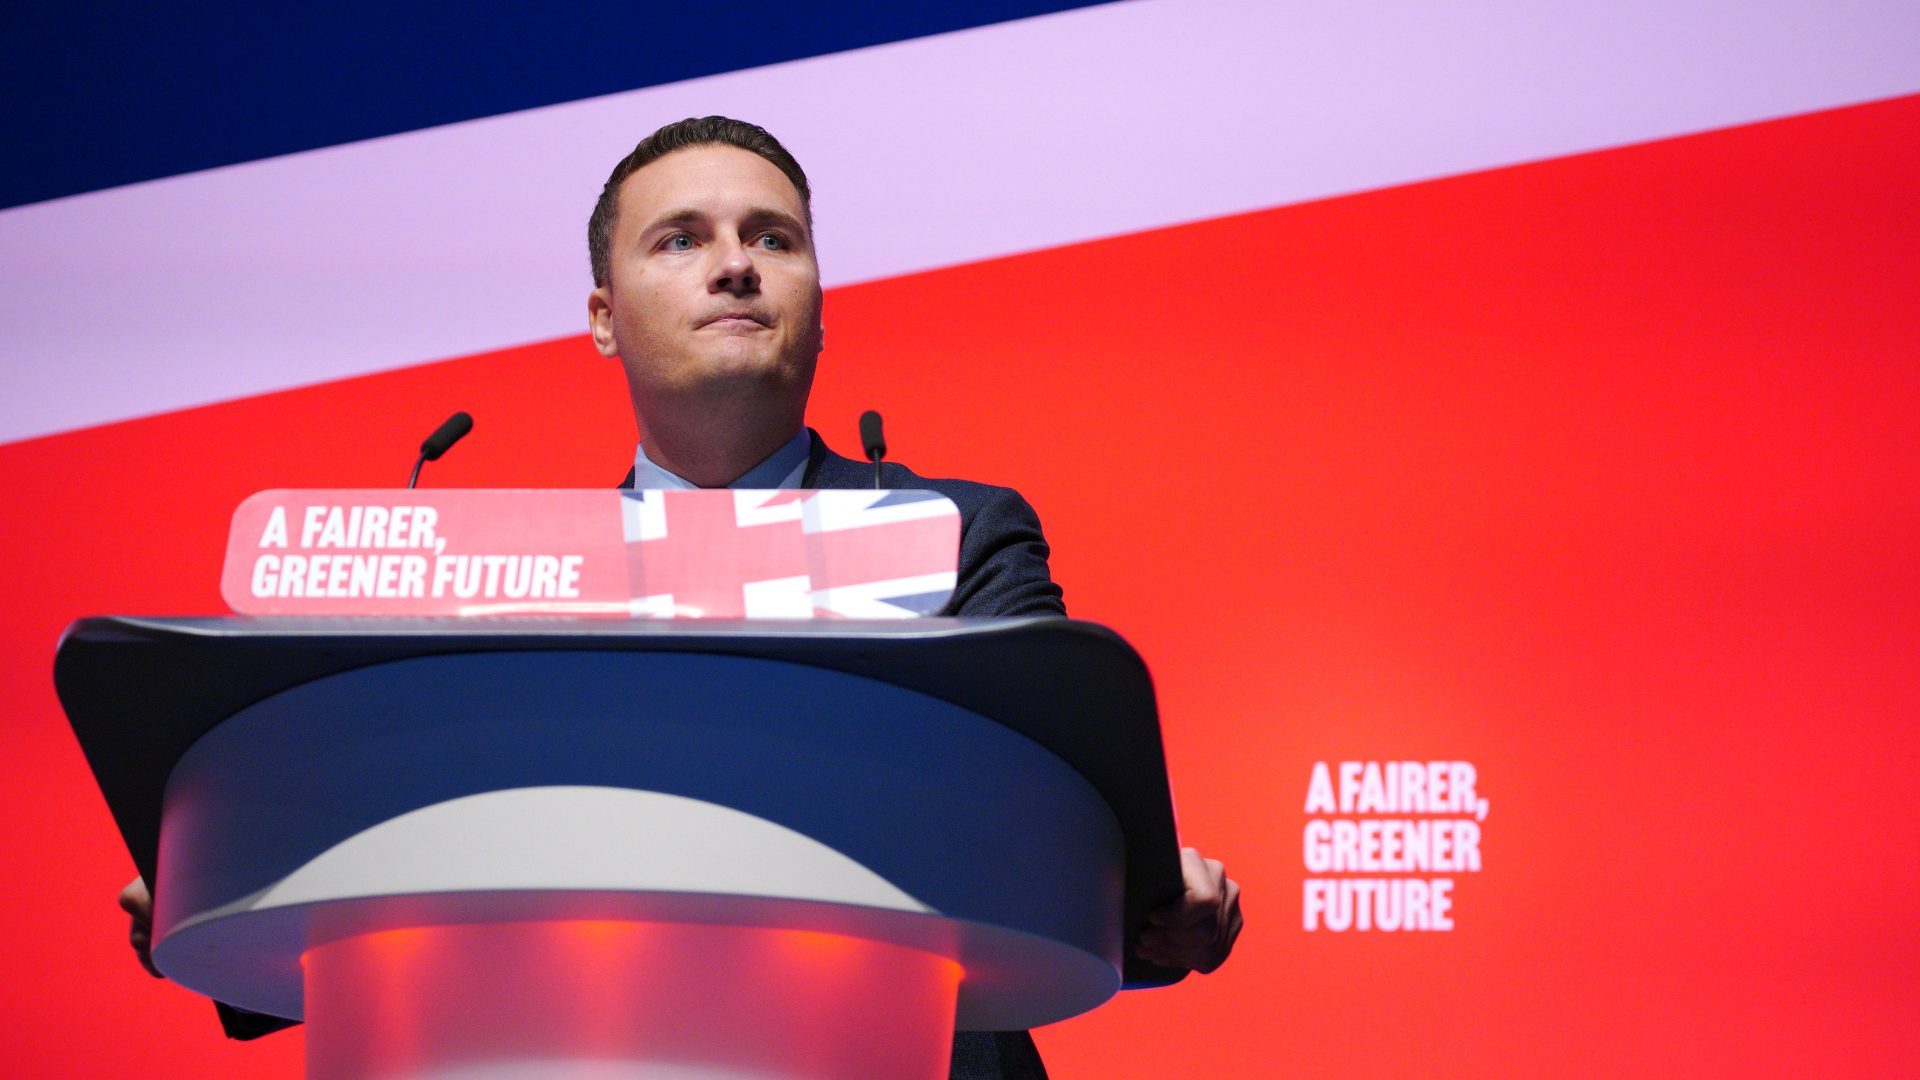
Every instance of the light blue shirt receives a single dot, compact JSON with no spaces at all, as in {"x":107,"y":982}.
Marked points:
{"x":782,"y":469}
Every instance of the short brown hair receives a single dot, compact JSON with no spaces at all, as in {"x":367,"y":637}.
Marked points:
{"x":701,"y":131}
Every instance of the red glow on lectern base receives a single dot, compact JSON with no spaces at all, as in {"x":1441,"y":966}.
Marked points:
{"x":608,"y":1000}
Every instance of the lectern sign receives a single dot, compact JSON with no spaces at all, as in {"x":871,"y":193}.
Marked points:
{"x":657,"y":554}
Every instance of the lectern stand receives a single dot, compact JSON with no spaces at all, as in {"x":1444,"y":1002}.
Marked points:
{"x":546,"y":847}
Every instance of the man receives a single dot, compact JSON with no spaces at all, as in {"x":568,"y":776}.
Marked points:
{"x":707,"y":289}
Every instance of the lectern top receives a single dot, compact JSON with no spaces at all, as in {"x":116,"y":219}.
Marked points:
{"x":140,"y":691}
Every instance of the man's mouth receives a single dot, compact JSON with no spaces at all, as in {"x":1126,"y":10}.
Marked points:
{"x":735,"y":318}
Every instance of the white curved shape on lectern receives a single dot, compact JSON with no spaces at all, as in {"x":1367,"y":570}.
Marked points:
{"x":584,"y":838}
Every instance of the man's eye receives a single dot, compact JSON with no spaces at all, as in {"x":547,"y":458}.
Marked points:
{"x":773,"y":241}
{"x":678,"y":242}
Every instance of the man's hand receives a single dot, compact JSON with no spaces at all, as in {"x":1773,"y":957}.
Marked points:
{"x":137,"y":902}
{"x":1197,"y":930}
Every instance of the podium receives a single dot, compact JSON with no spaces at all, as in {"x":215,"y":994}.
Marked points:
{"x":557,"y":847}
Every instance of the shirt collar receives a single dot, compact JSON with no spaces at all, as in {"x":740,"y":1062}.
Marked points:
{"x":782,"y":469}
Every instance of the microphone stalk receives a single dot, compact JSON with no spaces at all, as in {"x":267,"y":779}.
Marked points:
{"x":440,"y":442}
{"x":873,"y":442}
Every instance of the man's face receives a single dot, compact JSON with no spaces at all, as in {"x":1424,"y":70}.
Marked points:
{"x":713,"y":286}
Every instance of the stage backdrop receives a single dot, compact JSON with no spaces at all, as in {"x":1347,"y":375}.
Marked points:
{"x":1496,"y":427}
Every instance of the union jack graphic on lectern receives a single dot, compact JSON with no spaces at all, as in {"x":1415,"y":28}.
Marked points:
{"x":790,"y":554}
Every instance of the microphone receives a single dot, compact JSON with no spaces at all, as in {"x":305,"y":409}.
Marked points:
{"x":873,"y":442}
{"x":440,"y":442}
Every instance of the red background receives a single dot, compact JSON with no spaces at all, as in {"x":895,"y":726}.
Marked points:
{"x":1599,"y":473}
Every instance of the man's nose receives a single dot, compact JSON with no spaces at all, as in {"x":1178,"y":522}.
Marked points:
{"x":735,"y":273}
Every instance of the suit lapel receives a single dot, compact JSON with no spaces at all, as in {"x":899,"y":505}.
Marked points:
{"x":826,"y":469}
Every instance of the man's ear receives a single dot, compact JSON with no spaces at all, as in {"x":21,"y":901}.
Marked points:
{"x":600,"y":321}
